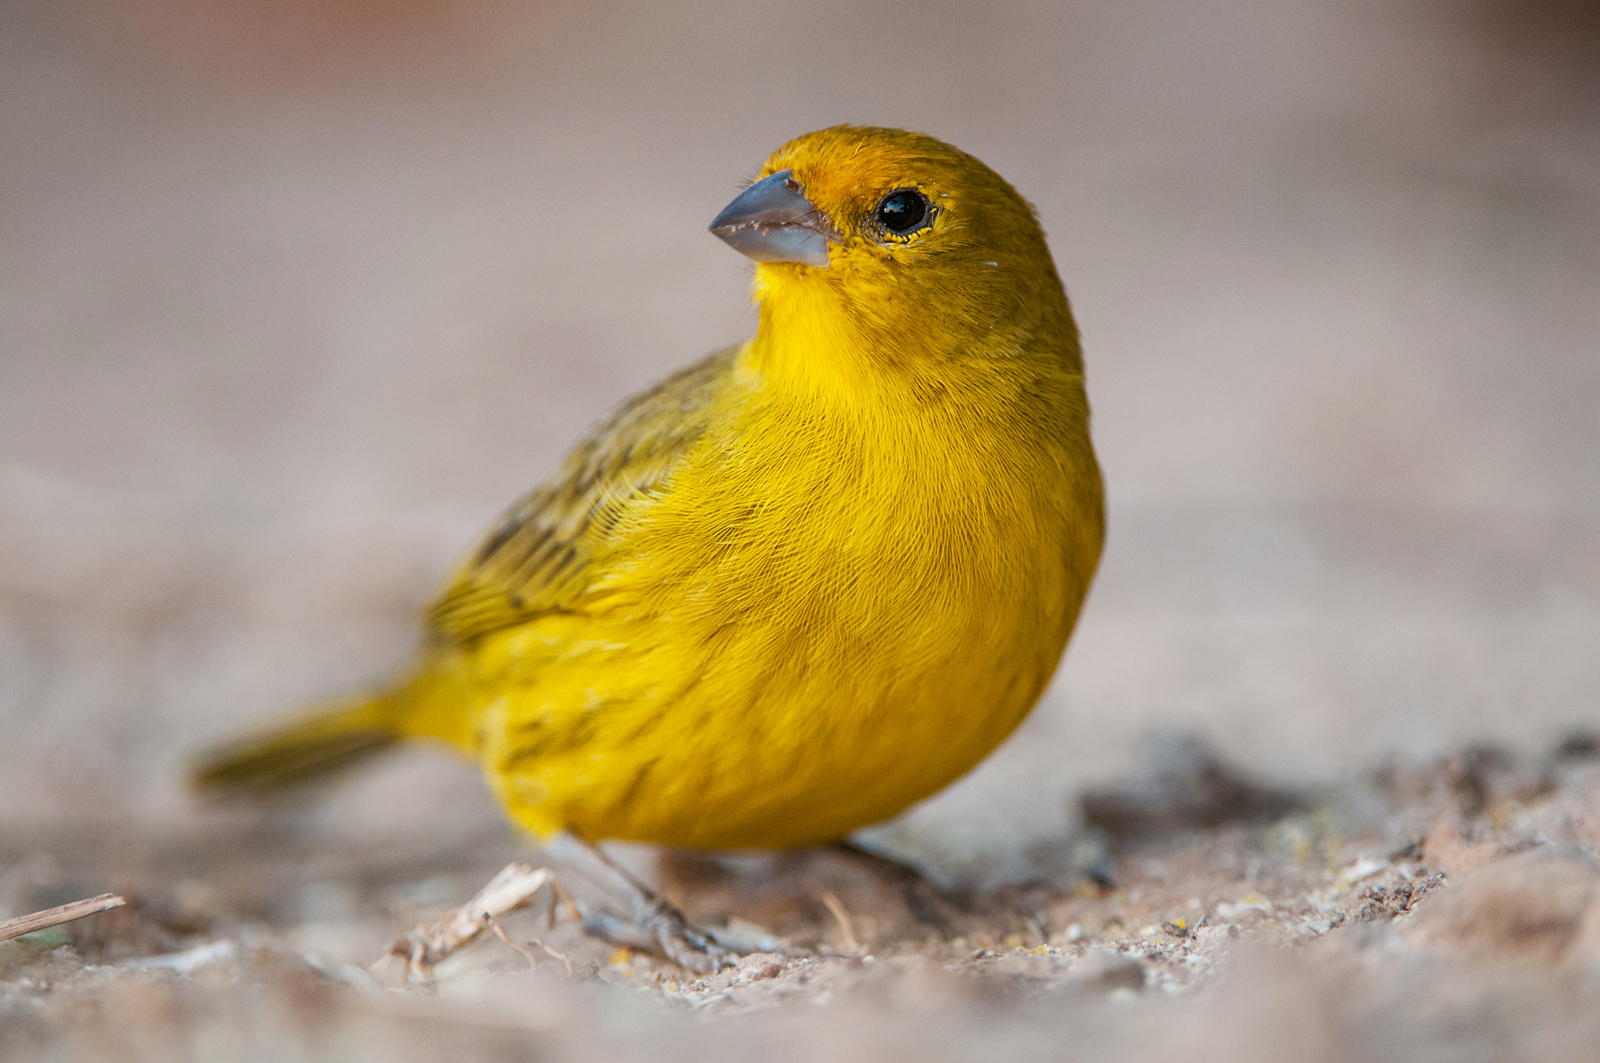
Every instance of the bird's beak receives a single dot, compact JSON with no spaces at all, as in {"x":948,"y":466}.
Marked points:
{"x":773,"y":221}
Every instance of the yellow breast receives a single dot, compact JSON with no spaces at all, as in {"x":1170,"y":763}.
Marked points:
{"x":831,"y":611}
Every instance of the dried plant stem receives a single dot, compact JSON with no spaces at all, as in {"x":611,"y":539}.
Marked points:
{"x":841,"y":915}
{"x":432,"y":941}
{"x":64,"y":913}
{"x":527,"y":954}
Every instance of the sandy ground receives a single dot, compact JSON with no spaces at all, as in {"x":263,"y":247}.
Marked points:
{"x":1447,"y":911}
{"x":295,"y":296}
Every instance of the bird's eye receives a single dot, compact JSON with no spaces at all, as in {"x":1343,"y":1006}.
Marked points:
{"x":903,"y":211}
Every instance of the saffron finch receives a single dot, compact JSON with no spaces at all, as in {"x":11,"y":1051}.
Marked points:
{"x":802,"y":584}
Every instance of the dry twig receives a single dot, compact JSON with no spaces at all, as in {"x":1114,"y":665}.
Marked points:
{"x":64,"y":913}
{"x":841,"y":915}
{"x":527,"y":953}
{"x":432,"y":941}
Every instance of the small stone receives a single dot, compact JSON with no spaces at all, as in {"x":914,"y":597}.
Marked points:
{"x":1364,"y":868}
{"x":761,"y":965}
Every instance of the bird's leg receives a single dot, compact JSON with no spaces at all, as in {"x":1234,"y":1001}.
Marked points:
{"x":928,"y":903}
{"x":656,"y":925}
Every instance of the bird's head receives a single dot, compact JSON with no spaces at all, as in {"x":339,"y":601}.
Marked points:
{"x":896,"y":239}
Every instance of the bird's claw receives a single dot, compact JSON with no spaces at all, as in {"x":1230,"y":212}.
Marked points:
{"x":660,"y":928}
{"x":685,"y":944}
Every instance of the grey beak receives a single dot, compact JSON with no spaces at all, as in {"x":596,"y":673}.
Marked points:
{"x":773,"y":221}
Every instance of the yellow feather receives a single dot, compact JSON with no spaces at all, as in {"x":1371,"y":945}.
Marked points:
{"x":810,"y":580}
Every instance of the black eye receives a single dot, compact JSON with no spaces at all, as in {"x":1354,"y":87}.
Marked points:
{"x":903,"y":211}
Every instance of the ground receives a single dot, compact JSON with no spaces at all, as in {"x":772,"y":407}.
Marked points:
{"x":1441,"y":911}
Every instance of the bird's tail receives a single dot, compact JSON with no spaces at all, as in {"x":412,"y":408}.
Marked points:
{"x":323,"y":740}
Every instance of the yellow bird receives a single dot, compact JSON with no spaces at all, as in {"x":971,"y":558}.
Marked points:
{"x":802,"y":584}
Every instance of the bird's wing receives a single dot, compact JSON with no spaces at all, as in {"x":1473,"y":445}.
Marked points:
{"x":536,"y":558}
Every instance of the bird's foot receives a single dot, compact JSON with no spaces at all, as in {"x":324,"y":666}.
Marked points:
{"x":660,"y":928}
{"x":656,"y":926}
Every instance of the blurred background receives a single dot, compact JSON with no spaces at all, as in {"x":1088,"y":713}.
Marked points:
{"x":296,"y":295}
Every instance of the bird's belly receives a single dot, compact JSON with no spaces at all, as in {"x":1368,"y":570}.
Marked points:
{"x":812,"y":706}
